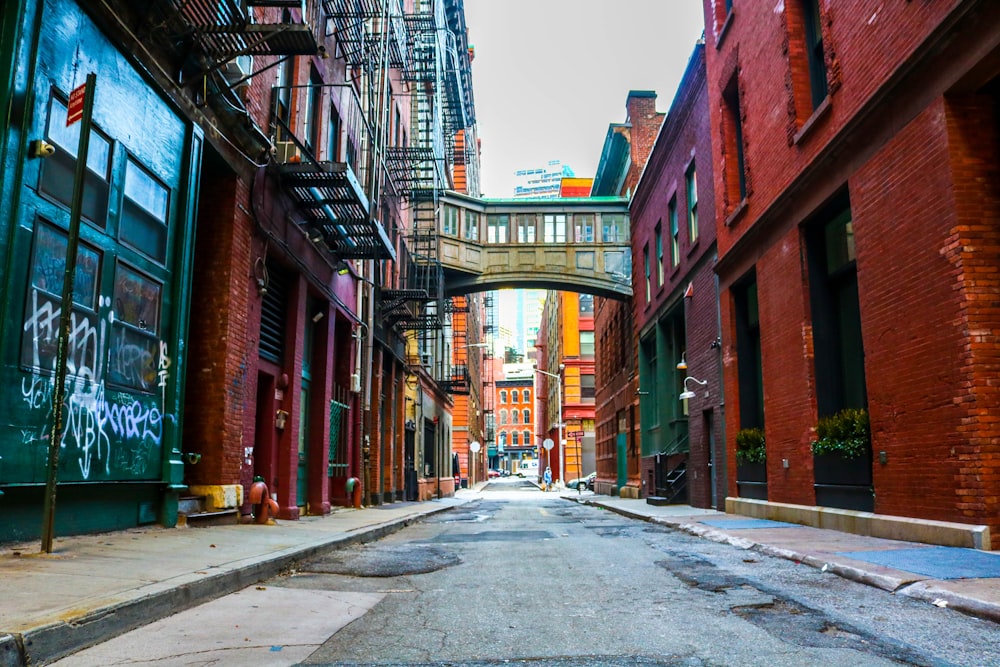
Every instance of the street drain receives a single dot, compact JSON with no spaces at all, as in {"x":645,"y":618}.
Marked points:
{"x":382,"y":561}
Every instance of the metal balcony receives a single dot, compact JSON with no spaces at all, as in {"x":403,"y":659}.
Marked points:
{"x":326,"y":184}
{"x":217,"y":31}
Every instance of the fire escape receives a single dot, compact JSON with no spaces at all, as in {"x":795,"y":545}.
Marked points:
{"x":418,"y":170}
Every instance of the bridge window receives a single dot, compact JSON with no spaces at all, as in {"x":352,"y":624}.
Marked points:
{"x":691,"y":181}
{"x":525,"y":228}
{"x":659,"y":255}
{"x":614,"y":229}
{"x":617,"y":264}
{"x":584,"y":228}
{"x":675,"y":239}
{"x":554,"y":228}
{"x":449,"y":225}
{"x":471,"y":226}
{"x":497,"y":228}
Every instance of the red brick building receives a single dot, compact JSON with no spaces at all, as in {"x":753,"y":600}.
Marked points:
{"x":623,"y":156}
{"x":856,"y":168}
{"x":676,"y":305}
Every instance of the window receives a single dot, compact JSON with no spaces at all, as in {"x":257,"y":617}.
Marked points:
{"x":586,"y":304}
{"x":675,"y":236}
{"x":283,"y":93}
{"x":133,"y":351}
{"x":527,"y":438}
{"x":587,"y":345}
{"x":333,"y":135}
{"x":554,"y":228}
{"x":587,"y":390}
{"x":515,"y":439}
{"x":503,"y":439}
{"x":527,"y":420}
{"x":814,"y":51}
{"x":659,"y":255}
{"x":314,"y":101}
{"x":514,"y":396}
{"x":691,"y":187}
{"x":471,"y":226}
{"x":749,"y":373}
{"x":144,"y":212}
{"x":497,"y":228}
{"x":584,"y":232}
{"x":527,"y":395}
{"x":735,"y":176}
{"x":449,"y":224}
{"x":503,"y":396}
{"x":515,"y":416}
{"x":503,"y":417}
{"x":41,"y":330}
{"x":645,"y":263}
{"x":525,"y":228}
{"x":58,"y":171}
{"x":614,"y":229}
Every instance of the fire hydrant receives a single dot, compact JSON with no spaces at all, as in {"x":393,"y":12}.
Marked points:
{"x":353,"y":488}
{"x":263,"y":508}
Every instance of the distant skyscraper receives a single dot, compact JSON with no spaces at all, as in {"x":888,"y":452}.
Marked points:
{"x":541,"y":182}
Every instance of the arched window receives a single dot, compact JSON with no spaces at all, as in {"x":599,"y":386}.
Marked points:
{"x":514,"y":396}
{"x":527,"y":438}
{"x":503,"y":417}
{"x":527,"y":416}
{"x":515,"y":416}
{"x":527,"y":396}
{"x":515,"y":439}
{"x":503,"y":438}
{"x":503,"y":396}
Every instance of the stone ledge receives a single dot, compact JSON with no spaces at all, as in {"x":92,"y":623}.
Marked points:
{"x":927,"y":531}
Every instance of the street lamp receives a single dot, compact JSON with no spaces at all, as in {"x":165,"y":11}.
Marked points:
{"x":559,"y":416}
{"x":687,"y":393}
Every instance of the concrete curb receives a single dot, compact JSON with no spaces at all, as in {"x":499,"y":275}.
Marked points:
{"x":918,"y":590}
{"x":57,"y":640}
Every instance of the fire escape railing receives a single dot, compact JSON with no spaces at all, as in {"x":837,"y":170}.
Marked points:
{"x":328,"y":184}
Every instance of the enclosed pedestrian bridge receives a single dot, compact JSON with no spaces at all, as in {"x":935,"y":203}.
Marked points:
{"x":571,"y":244}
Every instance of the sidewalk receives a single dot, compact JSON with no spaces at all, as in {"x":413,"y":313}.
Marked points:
{"x":966,"y":580}
{"x":93,"y":587}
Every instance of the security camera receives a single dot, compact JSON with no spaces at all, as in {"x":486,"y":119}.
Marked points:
{"x":41,"y":148}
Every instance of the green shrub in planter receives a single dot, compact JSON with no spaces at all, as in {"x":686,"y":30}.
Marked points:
{"x":846,"y":434}
{"x":750,"y":446}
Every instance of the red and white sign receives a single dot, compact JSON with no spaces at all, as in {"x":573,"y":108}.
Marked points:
{"x":76,"y":99}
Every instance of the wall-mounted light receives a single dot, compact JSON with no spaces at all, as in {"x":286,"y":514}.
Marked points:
{"x":318,"y":316}
{"x":687,"y":393}
{"x":281,"y":420}
{"x":682,"y":365}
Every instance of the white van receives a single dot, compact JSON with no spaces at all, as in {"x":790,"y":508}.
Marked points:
{"x":528,"y":468}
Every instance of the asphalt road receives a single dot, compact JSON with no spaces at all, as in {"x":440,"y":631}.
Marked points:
{"x":524,"y":577}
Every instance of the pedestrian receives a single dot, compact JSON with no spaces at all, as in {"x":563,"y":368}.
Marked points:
{"x":547,"y":478}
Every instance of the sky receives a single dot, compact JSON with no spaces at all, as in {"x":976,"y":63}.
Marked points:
{"x":549,"y":76}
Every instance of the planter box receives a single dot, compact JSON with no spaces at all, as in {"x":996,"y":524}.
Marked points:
{"x":751,"y":480}
{"x":844,"y":483}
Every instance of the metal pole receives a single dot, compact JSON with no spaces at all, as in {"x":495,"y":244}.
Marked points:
{"x":65,"y":317}
{"x":562,"y":445}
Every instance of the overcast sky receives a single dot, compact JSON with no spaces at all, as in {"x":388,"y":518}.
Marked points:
{"x":550,"y":75}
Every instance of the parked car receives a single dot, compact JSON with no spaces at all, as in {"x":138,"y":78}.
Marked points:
{"x":582,"y":483}
{"x":493,"y":473}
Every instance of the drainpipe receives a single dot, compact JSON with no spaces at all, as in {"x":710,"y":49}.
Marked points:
{"x":722,"y":401}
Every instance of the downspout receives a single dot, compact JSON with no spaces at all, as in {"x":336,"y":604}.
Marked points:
{"x":723,"y":464}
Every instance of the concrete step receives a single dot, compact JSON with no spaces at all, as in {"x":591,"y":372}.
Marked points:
{"x":201,"y":519}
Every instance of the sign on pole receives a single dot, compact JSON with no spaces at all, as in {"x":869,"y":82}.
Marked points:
{"x":76,"y":99}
